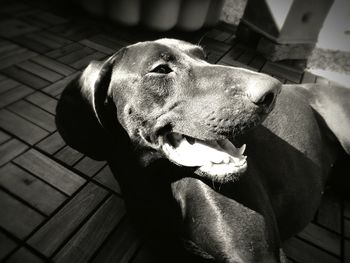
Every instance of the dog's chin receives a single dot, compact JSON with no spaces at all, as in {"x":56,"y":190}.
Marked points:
{"x":219,"y":161}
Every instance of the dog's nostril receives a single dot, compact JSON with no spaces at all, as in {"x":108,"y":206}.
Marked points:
{"x":267,"y":99}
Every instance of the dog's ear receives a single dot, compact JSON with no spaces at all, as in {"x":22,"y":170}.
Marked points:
{"x":85,"y":111}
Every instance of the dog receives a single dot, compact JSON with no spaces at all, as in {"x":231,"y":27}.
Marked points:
{"x":229,"y":160}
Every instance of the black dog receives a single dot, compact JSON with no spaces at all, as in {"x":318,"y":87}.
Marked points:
{"x":159,"y":101}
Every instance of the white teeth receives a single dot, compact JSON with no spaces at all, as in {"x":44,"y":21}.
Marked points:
{"x":242,"y":149}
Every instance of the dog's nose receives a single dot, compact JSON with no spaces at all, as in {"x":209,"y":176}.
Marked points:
{"x":263,"y":91}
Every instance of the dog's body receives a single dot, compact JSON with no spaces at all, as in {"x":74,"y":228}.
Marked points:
{"x":147,"y":103}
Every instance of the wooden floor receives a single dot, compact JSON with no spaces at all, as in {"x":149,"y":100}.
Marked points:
{"x":58,"y":205}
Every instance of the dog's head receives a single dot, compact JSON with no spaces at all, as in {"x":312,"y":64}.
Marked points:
{"x":171,"y":103}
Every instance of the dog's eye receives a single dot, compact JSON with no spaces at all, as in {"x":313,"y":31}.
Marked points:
{"x":162,"y":69}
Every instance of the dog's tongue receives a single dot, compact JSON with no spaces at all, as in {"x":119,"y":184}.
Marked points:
{"x":215,"y":156}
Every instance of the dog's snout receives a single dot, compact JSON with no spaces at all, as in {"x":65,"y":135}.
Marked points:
{"x":263,"y":91}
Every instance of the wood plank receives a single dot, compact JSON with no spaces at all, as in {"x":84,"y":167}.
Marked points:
{"x":20,"y":226}
{"x":258,"y":62}
{"x":308,"y":77}
{"x":51,"y":40}
{"x":21,"y":128}
{"x":329,"y":213}
{"x":43,"y":101}
{"x":106,"y":177}
{"x":322,"y":238}
{"x":97,"y":228}
{"x":347,"y":228}
{"x":23,"y":254}
{"x":15,"y":56}
{"x":98,"y":47}
{"x":89,"y":166}
{"x":30,"y":189}
{"x":75,"y":32}
{"x":32,"y":44}
{"x":54,"y":65}
{"x":346,"y":251}
{"x":7,"y":84}
{"x":50,"y":171}
{"x":7,"y":245}
{"x":40,"y":71}
{"x":52,"y":143}
{"x":301,"y":251}
{"x":68,"y":155}
{"x":10,"y":150}
{"x":121,"y":246}
{"x":233,"y":54}
{"x":26,"y":77}
{"x":83,"y":62}
{"x":56,"y":88}
{"x":247,"y":56}
{"x":273,"y":68}
{"x":64,"y":50}
{"x":14,"y":27}
{"x":76,"y":55}
{"x":67,"y":220}
{"x":109,"y":42}
{"x":4,"y":137}
{"x":144,"y":255}
{"x":14,"y":94}
{"x":34,"y":114}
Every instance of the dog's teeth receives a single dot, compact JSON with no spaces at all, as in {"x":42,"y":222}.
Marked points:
{"x":242,"y":149}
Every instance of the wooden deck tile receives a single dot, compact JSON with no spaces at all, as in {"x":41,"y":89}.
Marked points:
{"x":21,"y":128}
{"x":10,"y":150}
{"x":232,"y":55}
{"x":91,"y":44}
{"x":7,"y":84}
{"x":109,"y":42}
{"x":282,"y":71}
{"x":247,"y":56}
{"x":258,"y":62}
{"x":68,"y":155}
{"x":308,"y":77}
{"x":26,"y":77}
{"x":24,"y":253}
{"x":52,"y":143}
{"x":322,"y":238}
{"x":74,"y":32}
{"x":56,"y":89}
{"x":7,"y":245}
{"x":106,"y":177}
{"x":34,"y":114}
{"x":67,"y":220}
{"x":89,"y":166}
{"x":60,"y":52}
{"x":329,"y":213}
{"x":143,"y":256}
{"x":54,"y":65}
{"x":13,"y":27}
{"x":303,"y":252}
{"x":14,"y":55}
{"x":43,"y":101}
{"x":30,"y":189}
{"x":4,"y":137}
{"x":14,"y":94}
{"x":32,"y":44}
{"x":347,"y":228}
{"x":76,"y":55}
{"x":40,"y":71}
{"x":49,"y":39}
{"x":50,"y":171}
{"x":83,"y":62}
{"x":125,"y":239}
{"x":214,"y":49}
{"x":43,"y":19}
{"x":347,"y":251}
{"x":97,"y":228}
{"x":21,"y":226}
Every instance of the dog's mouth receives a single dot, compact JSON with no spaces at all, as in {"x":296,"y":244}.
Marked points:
{"x":218,"y":160}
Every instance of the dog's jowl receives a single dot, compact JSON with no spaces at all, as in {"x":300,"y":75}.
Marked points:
{"x":223,"y":160}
